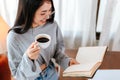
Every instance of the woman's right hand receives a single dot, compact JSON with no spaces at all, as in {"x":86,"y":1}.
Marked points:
{"x":33,"y":51}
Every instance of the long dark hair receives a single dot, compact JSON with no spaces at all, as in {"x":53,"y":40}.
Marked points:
{"x":26,"y":12}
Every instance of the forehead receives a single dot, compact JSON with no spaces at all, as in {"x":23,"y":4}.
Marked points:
{"x":45,"y":6}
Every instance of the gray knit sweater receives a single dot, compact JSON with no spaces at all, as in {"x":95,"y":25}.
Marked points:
{"x":21,"y":66}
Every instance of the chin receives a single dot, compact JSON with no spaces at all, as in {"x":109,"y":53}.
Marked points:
{"x":44,"y":21}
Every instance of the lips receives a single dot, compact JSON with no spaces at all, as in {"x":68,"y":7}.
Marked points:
{"x":43,"y":21}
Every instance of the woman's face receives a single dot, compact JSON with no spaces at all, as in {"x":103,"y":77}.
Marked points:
{"x":42,"y":14}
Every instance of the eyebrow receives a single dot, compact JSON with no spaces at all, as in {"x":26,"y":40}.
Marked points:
{"x":46,"y":10}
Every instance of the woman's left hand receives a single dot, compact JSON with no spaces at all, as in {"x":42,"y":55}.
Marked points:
{"x":73,"y":62}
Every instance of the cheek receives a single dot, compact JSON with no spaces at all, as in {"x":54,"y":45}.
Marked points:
{"x":37,"y":19}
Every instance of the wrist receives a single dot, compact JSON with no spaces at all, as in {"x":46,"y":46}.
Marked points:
{"x":31,"y":59}
{"x":69,"y":62}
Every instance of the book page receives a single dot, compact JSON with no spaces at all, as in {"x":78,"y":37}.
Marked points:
{"x":80,"y":67}
{"x":87,"y":55}
{"x":90,"y":59}
{"x":84,"y":70}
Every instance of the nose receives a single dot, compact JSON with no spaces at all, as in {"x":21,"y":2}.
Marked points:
{"x":48,"y":15}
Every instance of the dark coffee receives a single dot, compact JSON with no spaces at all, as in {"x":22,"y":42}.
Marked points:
{"x":42,"y":39}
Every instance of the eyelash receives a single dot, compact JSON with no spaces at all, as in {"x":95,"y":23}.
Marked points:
{"x":44,"y":13}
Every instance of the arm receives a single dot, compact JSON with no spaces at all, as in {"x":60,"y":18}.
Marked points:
{"x":61,"y":58}
{"x":20,"y":65}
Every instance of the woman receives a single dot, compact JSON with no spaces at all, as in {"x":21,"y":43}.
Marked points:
{"x":27,"y":60}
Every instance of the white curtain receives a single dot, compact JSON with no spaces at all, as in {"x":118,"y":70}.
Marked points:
{"x":109,"y":24}
{"x":8,"y":10}
{"x":77,"y":20}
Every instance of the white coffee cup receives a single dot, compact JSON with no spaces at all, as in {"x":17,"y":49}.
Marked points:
{"x":43,"y":40}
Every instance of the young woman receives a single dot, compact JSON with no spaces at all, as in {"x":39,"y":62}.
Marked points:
{"x":27,"y":60}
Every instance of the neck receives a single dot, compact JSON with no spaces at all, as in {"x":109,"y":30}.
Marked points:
{"x":36,"y":25}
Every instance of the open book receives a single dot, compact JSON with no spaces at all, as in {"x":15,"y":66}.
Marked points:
{"x":90,"y":58}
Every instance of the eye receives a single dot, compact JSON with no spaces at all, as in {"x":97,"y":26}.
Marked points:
{"x":42,"y":14}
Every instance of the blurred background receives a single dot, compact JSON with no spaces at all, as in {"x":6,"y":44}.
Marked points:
{"x":82,"y":22}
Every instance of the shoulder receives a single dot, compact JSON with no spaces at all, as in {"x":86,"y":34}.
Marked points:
{"x":12,"y":36}
{"x":56,"y":27}
{"x":53,"y":24}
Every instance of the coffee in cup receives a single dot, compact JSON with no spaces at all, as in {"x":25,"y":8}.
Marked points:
{"x":43,"y":40}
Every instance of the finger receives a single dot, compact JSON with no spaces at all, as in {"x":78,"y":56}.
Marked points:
{"x":71,"y":63}
{"x":35,"y":55}
{"x":32,"y":45}
{"x":35,"y":49}
{"x":36,"y":52}
{"x":75,"y":62}
{"x":36,"y":45}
